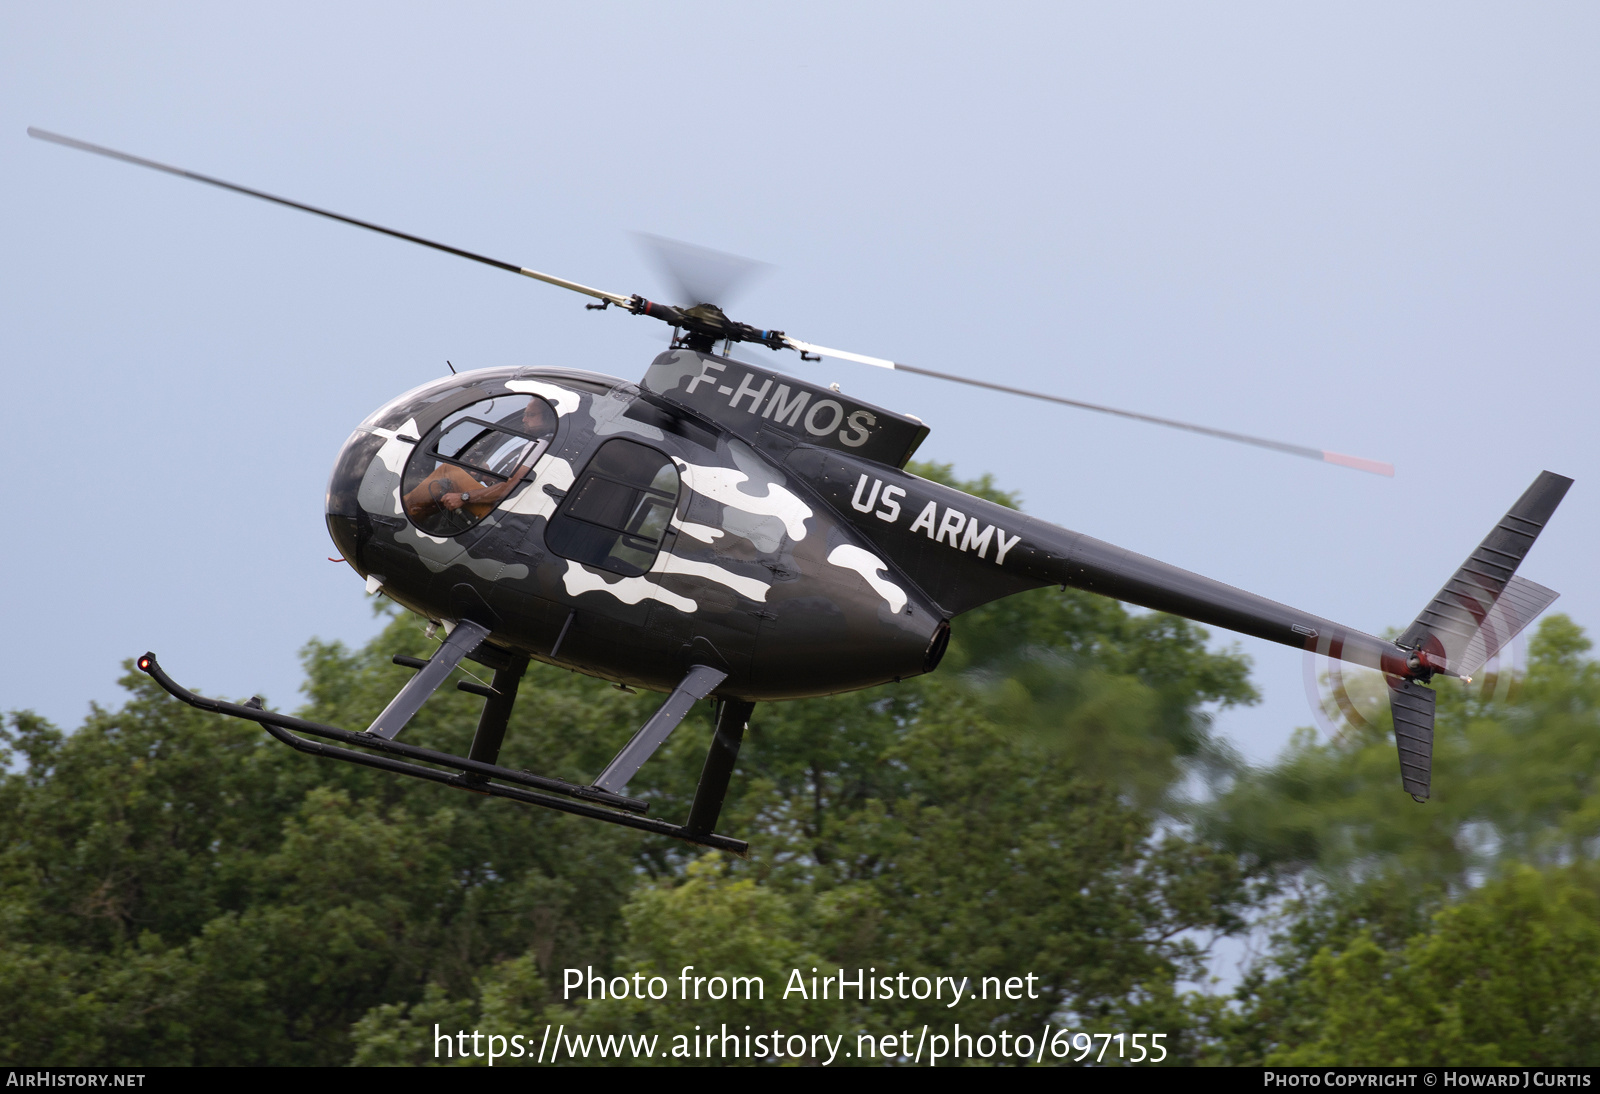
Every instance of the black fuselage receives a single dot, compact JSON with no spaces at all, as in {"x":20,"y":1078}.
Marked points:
{"x":719,"y":514}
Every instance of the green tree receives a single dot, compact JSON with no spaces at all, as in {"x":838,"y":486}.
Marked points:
{"x":178,"y":888}
{"x":1515,"y":779}
{"x":920,"y":837}
{"x":1389,"y":897}
{"x":1508,"y":976}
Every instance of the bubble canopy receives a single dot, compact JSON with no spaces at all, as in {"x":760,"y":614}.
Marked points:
{"x":472,"y":460}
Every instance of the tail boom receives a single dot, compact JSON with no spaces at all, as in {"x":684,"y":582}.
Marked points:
{"x":940,"y":540}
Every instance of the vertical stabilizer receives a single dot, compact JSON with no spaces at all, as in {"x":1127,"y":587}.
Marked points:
{"x":1484,"y":605}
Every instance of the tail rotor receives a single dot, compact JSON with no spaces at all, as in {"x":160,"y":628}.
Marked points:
{"x":1470,"y":630}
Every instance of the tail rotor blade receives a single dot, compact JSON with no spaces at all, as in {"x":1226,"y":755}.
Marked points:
{"x":1519,"y":605}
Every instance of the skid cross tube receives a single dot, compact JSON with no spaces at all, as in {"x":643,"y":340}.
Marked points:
{"x":279,"y":725}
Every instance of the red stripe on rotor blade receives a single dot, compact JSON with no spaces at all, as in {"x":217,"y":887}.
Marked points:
{"x":1377,"y":467}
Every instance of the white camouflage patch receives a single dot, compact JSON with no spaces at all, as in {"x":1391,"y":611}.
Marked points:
{"x":563,"y":400}
{"x":721,"y":484}
{"x":850,"y":557}
{"x":396,"y":451}
{"x":630,"y":590}
{"x":533,"y":499}
{"x":747,"y":587}
{"x":702,"y":532}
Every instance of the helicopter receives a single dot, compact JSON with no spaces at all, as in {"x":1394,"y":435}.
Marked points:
{"x":726,"y":531}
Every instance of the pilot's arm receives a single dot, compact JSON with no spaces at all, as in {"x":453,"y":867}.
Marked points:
{"x":432,"y":493}
{"x":493,"y":495}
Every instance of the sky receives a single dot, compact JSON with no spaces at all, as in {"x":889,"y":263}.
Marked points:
{"x":1361,"y":227}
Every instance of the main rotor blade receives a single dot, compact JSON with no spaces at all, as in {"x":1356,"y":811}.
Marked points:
{"x":1376,"y":467}
{"x":640,"y":306}
{"x":549,"y":279}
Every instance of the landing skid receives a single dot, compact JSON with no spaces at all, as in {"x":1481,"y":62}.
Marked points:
{"x":478,"y":776}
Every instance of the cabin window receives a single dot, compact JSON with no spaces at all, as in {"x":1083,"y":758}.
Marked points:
{"x":485,"y":451}
{"x":618,"y":511}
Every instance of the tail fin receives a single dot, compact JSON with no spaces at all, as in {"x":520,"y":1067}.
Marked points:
{"x":1481,"y":608}
{"x":1451,"y":629}
{"x":1412,"y":705}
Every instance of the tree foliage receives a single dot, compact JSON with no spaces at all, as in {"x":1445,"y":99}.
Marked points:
{"x":1460,"y":931}
{"x":1515,"y":779}
{"x":178,"y":888}
{"x":1510,"y":975}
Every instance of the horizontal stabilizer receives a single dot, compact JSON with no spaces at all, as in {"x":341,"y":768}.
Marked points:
{"x":1464,"y":625}
{"x":1413,"y":706}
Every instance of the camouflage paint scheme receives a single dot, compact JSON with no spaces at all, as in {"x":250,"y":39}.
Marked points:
{"x":801,"y":559}
{"x":742,"y":582}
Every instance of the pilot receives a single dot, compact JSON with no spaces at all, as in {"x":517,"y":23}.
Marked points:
{"x":451,"y":488}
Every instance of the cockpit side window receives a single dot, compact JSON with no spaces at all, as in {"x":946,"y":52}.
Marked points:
{"x":618,"y":511}
{"x":473,"y":460}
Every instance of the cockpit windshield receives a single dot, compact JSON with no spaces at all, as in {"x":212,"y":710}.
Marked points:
{"x":473,"y":460}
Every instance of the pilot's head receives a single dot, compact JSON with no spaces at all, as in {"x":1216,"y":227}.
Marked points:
{"x":538,"y":419}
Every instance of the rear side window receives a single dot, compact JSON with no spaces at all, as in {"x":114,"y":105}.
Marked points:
{"x":618,"y":511}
